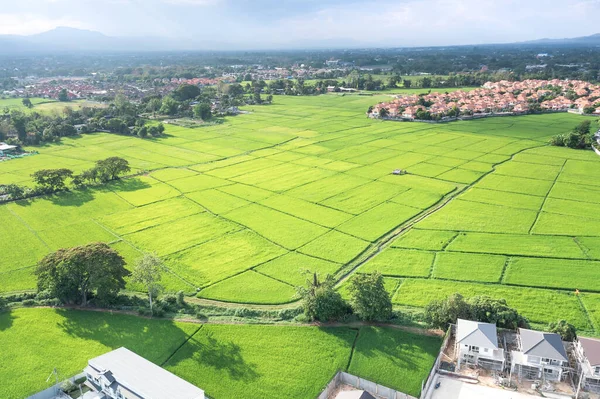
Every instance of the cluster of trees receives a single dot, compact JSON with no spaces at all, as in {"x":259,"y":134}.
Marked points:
{"x":581,"y":137}
{"x":73,"y":275}
{"x":442,"y":313}
{"x":50,"y":181}
{"x":195,"y":102}
{"x":76,"y":275}
{"x":32,"y":128}
{"x":368,"y":299}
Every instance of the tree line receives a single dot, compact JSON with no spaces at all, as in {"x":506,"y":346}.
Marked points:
{"x":50,"y":181}
{"x":98,"y":272}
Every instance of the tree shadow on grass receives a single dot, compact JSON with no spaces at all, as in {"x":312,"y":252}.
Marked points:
{"x":65,"y":198}
{"x":6,"y":319}
{"x":217,"y":354}
{"x":72,"y":198}
{"x":154,"y":339}
{"x":390,"y":347}
{"x":130,"y":184}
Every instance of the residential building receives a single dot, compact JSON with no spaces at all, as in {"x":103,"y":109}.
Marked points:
{"x":540,"y":356}
{"x":477,"y":344}
{"x":122,"y":374}
{"x":587,"y":351}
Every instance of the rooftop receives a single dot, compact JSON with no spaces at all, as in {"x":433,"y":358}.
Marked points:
{"x":476,"y":334}
{"x":542,"y":344}
{"x":4,"y":147}
{"x":144,"y":377}
{"x":591,"y":349}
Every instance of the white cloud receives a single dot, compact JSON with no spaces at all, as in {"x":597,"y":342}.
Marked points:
{"x":446,"y":22}
{"x":265,"y":23}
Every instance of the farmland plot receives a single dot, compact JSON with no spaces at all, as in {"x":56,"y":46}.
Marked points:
{"x":308,"y":185}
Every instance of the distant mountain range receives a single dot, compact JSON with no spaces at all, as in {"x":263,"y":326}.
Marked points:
{"x":592,"y":40}
{"x":64,"y":39}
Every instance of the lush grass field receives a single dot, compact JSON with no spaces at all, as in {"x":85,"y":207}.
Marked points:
{"x":46,"y":105}
{"x":394,"y":358}
{"x":243,"y":209}
{"x":227,"y":361}
{"x":35,"y":341}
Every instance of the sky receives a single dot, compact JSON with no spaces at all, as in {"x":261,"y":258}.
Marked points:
{"x":280,"y":23}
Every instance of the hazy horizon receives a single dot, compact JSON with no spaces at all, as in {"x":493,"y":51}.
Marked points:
{"x":271,"y":23}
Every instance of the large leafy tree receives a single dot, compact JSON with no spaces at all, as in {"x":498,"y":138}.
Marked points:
{"x":321,"y":302}
{"x":148,"y":272}
{"x":186,"y":92}
{"x":169,"y":106}
{"x":111,"y":168}
{"x":202,"y":111}
{"x":441,"y":313}
{"x":63,"y":95}
{"x":369,"y":298}
{"x":27,"y":102}
{"x":52,"y":180}
{"x":73,"y":274}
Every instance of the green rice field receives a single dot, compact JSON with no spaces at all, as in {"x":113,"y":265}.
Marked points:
{"x":227,"y":361}
{"x":241,"y":211}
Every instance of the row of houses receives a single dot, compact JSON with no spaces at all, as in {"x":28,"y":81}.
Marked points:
{"x":498,"y":97}
{"x":528,"y":354}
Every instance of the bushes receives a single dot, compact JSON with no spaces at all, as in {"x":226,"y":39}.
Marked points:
{"x":321,"y":302}
{"x":441,"y":313}
{"x":566,"y":331}
{"x":370,"y":300}
{"x":580,"y":137}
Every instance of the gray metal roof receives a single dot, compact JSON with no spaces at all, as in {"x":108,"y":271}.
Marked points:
{"x":354,"y":394}
{"x":476,"y":333}
{"x":591,"y":349}
{"x":143,"y":377}
{"x":4,"y":146}
{"x":542,"y":344}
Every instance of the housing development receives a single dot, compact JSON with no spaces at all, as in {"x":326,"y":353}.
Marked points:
{"x":496,"y":98}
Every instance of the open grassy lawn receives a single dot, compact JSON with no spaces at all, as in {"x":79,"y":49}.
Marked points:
{"x":227,"y":361}
{"x":394,"y":358}
{"x":241,"y":209}
{"x":66,"y":339}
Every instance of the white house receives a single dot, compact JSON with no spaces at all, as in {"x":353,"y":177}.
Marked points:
{"x":541,"y":356}
{"x":588,"y":359}
{"x":121,"y":374}
{"x":477,"y":344}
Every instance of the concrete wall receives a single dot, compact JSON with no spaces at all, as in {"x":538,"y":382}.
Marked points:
{"x":342,"y":378}
{"x":51,"y":393}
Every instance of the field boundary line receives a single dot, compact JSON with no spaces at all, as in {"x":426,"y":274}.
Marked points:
{"x":587,"y":314}
{"x":546,"y":197}
{"x":271,"y":277}
{"x":353,"y":348}
{"x":181,"y":346}
{"x":432,"y":266}
{"x":583,"y":248}
{"x":28,"y":227}
{"x":507,"y":262}
{"x":450,"y":241}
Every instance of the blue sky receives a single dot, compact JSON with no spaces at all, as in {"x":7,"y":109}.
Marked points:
{"x":277,"y":23}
